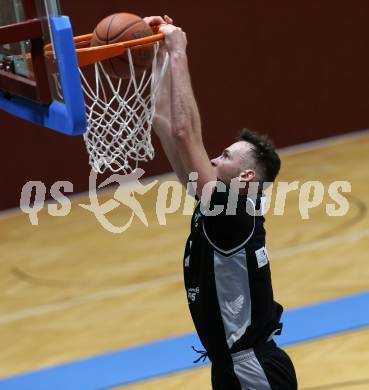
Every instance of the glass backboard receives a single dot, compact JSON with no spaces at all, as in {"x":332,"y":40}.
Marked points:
{"x":45,"y":89}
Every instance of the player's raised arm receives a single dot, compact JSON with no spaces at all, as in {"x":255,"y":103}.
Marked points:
{"x":162,"y":116}
{"x":185,"y":125}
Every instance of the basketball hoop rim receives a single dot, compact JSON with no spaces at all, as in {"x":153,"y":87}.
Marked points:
{"x":87,"y":55}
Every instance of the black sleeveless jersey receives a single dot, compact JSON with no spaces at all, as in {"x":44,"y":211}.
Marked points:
{"x":227,"y":277}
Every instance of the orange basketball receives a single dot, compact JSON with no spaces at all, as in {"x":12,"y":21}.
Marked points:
{"x":124,"y":27}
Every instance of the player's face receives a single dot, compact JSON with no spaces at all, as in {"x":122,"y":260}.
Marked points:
{"x":235,"y":161}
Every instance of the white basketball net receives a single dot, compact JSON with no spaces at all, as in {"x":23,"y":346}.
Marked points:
{"x":119,"y":115}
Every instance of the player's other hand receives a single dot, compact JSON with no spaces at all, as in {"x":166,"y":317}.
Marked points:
{"x":157,"y":20}
{"x":175,"y":39}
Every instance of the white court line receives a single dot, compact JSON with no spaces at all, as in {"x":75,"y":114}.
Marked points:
{"x":321,"y":244}
{"x":107,"y":294}
{"x":169,"y":279}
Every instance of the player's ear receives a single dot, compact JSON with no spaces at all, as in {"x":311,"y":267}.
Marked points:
{"x":247,"y":175}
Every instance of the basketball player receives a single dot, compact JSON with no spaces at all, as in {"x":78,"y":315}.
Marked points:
{"x":226,"y":265}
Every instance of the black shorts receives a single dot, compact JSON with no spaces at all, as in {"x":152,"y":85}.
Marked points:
{"x":265,"y":367}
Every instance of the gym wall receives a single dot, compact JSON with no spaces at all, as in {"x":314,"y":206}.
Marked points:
{"x":295,"y":70}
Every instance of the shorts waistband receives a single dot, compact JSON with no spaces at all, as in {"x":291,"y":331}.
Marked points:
{"x":249,"y":353}
{"x":240,"y":356}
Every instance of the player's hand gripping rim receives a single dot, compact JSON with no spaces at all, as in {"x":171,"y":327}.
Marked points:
{"x":175,"y":37}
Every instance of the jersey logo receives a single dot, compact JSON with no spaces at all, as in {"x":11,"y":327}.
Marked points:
{"x":187,"y":261}
{"x":192,"y":293}
{"x":235,"y":306}
{"x":262,"y":257}
{"x":196,"y":218}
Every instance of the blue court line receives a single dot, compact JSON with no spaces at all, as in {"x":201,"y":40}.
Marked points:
{"x":175,"y":354}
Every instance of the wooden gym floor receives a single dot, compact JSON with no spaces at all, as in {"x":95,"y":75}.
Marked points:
{"x":70,"y":289}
